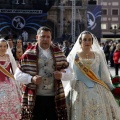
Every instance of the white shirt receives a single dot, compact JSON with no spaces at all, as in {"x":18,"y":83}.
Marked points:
{"x":26,"y":78}
{"x":25,"y":36}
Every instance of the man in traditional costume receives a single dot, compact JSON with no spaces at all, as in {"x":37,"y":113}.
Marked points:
{"x":43,"y":65}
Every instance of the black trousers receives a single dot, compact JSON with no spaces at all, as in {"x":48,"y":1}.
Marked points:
{"x":116,"y":68}
{"x":44,"y":108}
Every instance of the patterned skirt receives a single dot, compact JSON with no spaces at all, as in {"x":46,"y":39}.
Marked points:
{"x":95,"y":103}
{"x":9,"y":101}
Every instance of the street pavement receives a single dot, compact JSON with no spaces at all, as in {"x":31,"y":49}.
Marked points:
{"x":111,"y":69}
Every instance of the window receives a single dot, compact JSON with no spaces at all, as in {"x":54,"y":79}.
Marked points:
{"x":104,"y":18}
{"x":114,"y":18}
{"x":104,"y":12}
{"x":104,"y":3}
{"x":115,"y":3}
{"x":115,"y":12}
{"x":103,"y":26}
{"x":113,"y":25}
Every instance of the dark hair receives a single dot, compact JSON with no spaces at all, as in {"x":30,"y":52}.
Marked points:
{"x":44,"y":28}
{"x":85,"y":32}
{"x":9,"y":40}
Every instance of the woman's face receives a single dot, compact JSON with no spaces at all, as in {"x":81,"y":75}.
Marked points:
{"x":86,"y":41}
{"x":3,"y":47}
{"x":19,"y":42}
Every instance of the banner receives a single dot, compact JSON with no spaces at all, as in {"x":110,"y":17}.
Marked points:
{"x":19,"y":20}
{"x":94,"y":19}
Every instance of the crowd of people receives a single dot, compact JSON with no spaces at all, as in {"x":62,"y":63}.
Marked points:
{"x":31,"y":79}
{"x":108,"y":47}
{"x":112,"y":54}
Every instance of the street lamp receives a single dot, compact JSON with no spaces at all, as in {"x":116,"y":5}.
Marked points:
{"x":114,"y":30}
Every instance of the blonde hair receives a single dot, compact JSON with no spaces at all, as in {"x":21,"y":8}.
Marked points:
{"x":118,"y":46}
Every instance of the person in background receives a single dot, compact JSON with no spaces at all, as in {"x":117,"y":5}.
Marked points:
{"x":10,"y":34}
{"x":29,"y":45}
{"x":66,"y":47}
{"x":18,"y":50}
{"x":10,"y":42}
{"x":25,"y":36}
{"x":9,"y":88}
{"x":89,"y":95}
{"x":44,"y":65}
{"x":102,"y":45}
{"x":116,"y":58}
{"x":106,"y":51}
{"x":112,"y":49}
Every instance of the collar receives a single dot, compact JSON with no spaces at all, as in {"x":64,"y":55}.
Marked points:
{"x":46,"y":52}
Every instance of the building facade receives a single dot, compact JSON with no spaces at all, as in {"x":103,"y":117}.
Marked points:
{"x":66,"y":18}
{"x":66,"y":15}
{"x":110,"y":22}
{"x":61,"y":14}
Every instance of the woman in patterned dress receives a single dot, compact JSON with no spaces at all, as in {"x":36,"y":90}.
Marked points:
{"x":9,"y":90}
{"x":18,"y":50}
{"x":89,"y":94}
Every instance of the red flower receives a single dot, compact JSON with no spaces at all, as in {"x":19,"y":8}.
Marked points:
{"x":116,"y":80}
{"x":116,"y":92}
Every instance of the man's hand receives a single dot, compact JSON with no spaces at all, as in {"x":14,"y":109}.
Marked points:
{"x":57,"y":75}
{"x":36,"y":79}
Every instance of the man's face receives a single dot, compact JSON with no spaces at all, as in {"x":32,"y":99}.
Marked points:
{"x":44,"y":39}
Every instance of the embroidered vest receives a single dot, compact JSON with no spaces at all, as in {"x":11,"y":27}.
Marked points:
{"x":46,"y":69}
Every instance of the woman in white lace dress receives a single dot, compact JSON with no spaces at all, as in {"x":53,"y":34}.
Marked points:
{"x":89,"y":94}
{"x":9,"y":97}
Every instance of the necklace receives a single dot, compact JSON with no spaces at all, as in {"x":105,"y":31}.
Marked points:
{"x":2,"y":55}
{"x":88,"y":61}
{"x":7,"y":61}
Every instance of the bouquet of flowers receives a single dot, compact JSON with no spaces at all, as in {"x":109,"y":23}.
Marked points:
{"x":116,"y":91}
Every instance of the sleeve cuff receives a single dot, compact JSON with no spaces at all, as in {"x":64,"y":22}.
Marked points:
{"x":63,"y":75}
{"x":29,"y":79}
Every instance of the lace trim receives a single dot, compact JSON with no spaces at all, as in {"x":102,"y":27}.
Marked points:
{"x":7,"y":62}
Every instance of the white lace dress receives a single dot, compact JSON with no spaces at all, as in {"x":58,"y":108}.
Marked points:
{"x":89,"y":100}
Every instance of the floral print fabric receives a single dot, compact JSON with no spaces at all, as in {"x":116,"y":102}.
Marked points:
{"x":9,"y":99}
{"x":92,"y":103}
